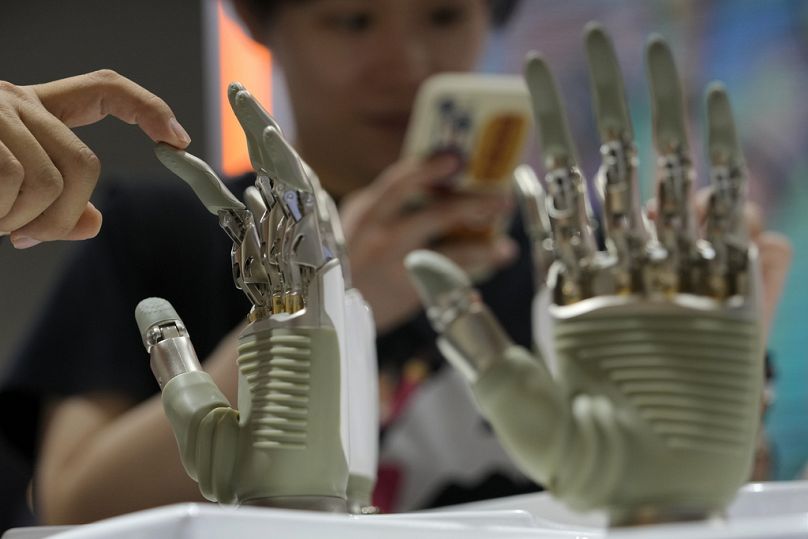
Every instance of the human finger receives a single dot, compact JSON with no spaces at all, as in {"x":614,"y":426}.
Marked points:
{"x":440,"y":217}
{"x":88,"y":225}
{"x":42,"y":182}
{"x":650,"y":209}
{"x":774,"y":253}
{"x":78,"y":166}
{"x":475,"y":257}
{"x":752,"y":212}
{"x":11,"y":178}
{"x":386,"y":198}
{"x":88,"y":98}
{"x":753,"y":217}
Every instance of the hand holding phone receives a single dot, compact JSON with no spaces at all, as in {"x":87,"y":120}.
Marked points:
{"x":482,"y":119}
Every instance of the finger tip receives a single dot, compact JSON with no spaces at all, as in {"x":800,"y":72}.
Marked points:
{"x":241,"y":97}
{"x":506,"y":250}
{"x":445,"y":164}
{"x":270,"y":134}
{"x":179,"y":135}
{"x":594,"y":33}
{"x":97,"y":220}
{"x":534,"y":56}
{"x":656,"y":42}
{"x":88,"y":225}
{"x":534,"y":62}
{"x":28,"y":236}
{"x":233,"y":89}
{"x":715,"y":88}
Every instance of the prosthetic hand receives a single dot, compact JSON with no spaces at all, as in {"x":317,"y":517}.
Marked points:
{"x":654,"y":411}
{"x":289,"y":444}
{"x":362,"y":389}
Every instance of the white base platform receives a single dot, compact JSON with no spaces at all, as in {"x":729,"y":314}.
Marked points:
{"x":762,"y":510}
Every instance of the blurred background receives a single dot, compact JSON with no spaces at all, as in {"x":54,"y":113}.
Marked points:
{"x":758,"y":48}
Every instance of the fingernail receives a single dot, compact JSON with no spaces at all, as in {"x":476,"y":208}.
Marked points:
{"x":506,"y":250}
{"x":478,"y":214}
{"x":453,"y":165}
{"x":487,"y":210}
{"x":179,"y":132}
{"x":447,"y":162}
{"x":24,"y":242}
{"x":477,"y":221}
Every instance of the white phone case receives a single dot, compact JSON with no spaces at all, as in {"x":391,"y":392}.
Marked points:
{"x":485,"y":119}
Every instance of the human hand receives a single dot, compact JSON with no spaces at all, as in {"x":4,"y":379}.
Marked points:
{"x":381,"y":229}
{"x":47,"y":173}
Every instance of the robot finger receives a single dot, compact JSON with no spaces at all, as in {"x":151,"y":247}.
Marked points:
{"x":253,"y":119}
{"x":675,"y":221}
{"x":567,"y":202}
{"x":285,"y":161}
{"x":533,"y":206}
{"x":617,"y":177}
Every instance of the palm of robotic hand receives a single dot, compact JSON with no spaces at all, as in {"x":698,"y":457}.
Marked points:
{"x":288,"y":444}
{"x":654,"y":411}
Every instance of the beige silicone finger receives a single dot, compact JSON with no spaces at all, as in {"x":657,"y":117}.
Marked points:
{"x":285,"y":160}
{"x":253,"y":119}
{"x":78,"y":166}
{"x":42,"y":182}
{"x":11,"y":177}
{"x":88,"y":98}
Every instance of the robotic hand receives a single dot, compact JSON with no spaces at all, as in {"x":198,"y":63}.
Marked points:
{"x":654,"y":410}
{"x":290,"y":442}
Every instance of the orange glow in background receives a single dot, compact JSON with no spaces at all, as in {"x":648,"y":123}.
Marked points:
{"x":240,"y":59}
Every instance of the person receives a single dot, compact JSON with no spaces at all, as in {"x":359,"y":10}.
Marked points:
{"x":352,"y":69}
{"x":81,"y":382}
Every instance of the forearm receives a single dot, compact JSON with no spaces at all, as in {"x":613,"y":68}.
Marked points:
{"x":109,"y":465}
{"x":102,"y":457}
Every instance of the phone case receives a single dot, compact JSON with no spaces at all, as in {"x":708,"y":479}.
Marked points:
{"x":484,"y":119}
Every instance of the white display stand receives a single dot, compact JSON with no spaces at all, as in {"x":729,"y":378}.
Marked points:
{"x":762,"y":510}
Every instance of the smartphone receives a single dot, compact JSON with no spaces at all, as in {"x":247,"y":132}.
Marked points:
{"x":483,"y":119}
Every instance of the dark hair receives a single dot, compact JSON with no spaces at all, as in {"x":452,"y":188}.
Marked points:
{"x":501,"y":10}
